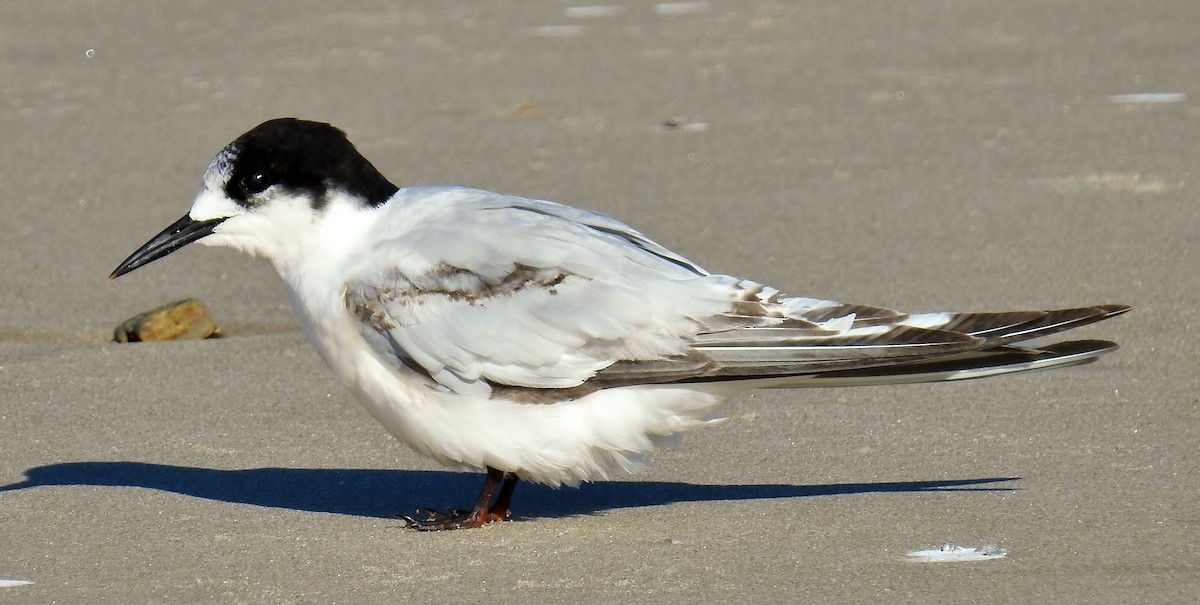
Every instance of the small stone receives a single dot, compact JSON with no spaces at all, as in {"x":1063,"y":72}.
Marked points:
{"x":186,"y":319}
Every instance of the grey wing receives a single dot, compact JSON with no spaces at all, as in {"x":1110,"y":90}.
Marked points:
{"x":535,"y":295}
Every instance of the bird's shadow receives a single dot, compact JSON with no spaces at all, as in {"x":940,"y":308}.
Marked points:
{"x":387,"y":493}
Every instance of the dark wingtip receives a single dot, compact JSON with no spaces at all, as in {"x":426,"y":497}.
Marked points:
{"x":1114,"y":309}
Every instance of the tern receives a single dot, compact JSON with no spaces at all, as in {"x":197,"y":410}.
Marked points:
{"x":540,"y":342}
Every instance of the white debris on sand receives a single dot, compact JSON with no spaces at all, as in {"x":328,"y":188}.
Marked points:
{"x":954,"y":552}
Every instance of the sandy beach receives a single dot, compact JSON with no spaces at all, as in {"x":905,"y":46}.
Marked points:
{"x":920,"y":156}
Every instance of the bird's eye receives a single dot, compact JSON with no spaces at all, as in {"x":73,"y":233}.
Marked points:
{"x":256,"y":182}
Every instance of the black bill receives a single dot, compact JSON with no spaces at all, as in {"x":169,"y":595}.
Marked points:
{"x":181,"y":233}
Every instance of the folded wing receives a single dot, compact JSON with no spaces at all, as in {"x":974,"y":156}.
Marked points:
{"x":552,"y":299}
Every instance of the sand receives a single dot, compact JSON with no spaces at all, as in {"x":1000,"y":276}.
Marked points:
{"x":919,"y":155}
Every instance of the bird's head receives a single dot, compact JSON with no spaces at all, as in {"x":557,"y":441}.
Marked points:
{"x":266,"y":188}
